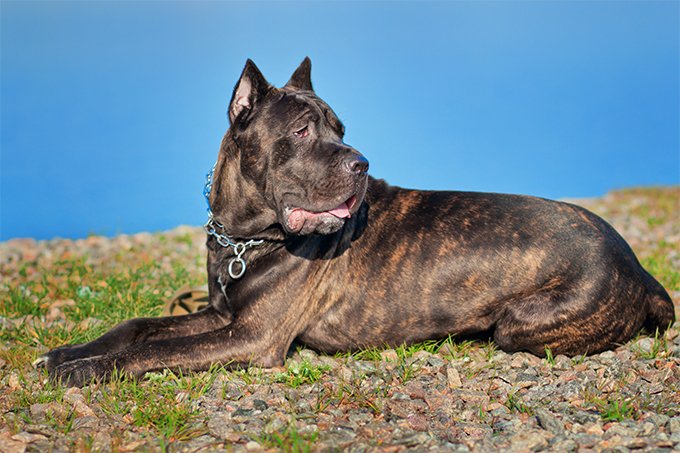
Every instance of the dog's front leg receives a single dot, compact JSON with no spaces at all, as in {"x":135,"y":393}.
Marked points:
{"x":240,"y":343}
{"x":137,"y":330}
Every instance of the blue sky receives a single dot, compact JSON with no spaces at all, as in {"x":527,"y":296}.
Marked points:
{"x":112,"y":112}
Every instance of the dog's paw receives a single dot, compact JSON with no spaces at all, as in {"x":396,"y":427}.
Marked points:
{"x":52,"y":359}
{"x":81,"y":372}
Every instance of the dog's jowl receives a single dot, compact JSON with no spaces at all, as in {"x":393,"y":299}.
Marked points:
{"x":305,"y":246}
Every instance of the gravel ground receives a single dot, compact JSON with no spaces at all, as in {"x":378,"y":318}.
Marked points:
{"x":460,"y":397}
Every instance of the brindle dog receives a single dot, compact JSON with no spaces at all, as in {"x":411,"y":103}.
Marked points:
{"x":348,"y":261}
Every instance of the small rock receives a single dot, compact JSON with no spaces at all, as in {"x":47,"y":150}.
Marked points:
{"x":607,"y":355}
{"x":549,"y":422}
{"x":253,"y":446}
{"x":101,"y":441}
{"x":90,"y":422}
{"x":525,"y":380}
{"x":644,"y":345}
{"x":260,"y":405}
{"x":38,"y":410}
{"x":219,"y":426}
{"x":75,"y":397}
{"x":475,"y":430}
{"x":134,"y":445}
{"x":274,"y":425}
{"x":435,"y":361}
{"x":529,"y":441}
{"x":616,"y":429}
{"x":635,"y":443}
{"x":565,"y":445}
{"x":417,"y":422}
{"x":562,"y":362}
{"x":674,"y":425}
{"x":658,"y":419}
{"x":346,"y":373}
{"x":593,"y":428}
{"x":28,"y":438}
{"x":586,"y":440}
{"x":8,"y":445}
{"x":413,"y":440}
{"x":506,"y":426}
{"x":453,"y":378}
{"x":242,"y":412}
{"x":13,"y":382}
{"x":648,"y":429}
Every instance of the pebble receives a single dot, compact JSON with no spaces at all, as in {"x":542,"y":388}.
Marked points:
{"x":453,"y":378}
{"x":28,"y":438}
{"x":549,"y":422}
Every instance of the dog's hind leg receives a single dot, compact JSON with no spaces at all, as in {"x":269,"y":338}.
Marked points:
{"x":570,"y":323}
{"x":135,"y":331}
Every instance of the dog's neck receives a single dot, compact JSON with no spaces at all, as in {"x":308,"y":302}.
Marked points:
{"x":240,"y":220}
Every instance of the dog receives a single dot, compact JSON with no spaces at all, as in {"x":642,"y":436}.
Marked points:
{"x":304,"y":245}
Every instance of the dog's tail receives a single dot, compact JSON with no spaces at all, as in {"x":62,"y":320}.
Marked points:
{"x":660,"y":309}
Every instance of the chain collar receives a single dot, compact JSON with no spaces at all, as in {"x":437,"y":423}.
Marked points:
{"x":237,"y":265}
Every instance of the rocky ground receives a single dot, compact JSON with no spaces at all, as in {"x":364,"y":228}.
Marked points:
{"x":457,"y":396}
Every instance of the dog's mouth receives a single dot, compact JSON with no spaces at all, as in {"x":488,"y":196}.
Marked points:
{"x":297,"y":218}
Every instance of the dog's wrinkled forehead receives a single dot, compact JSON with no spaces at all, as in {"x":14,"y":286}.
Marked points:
{"x":289,"y":106}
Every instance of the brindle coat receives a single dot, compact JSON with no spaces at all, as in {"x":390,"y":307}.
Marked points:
{"x":406,"y":266}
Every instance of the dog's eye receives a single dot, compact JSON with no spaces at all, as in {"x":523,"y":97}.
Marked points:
{"x":302,"y":133}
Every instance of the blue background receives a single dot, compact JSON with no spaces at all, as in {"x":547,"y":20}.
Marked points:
{"x":112,"y":113}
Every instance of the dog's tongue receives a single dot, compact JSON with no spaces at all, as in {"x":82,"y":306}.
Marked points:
{"x":341,"y":211}
{"x":298,"y":216}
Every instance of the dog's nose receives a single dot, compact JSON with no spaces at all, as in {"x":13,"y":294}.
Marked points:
{"x":356,"y":164}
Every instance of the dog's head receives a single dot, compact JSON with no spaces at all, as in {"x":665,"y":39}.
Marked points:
{"x":283,"y":160}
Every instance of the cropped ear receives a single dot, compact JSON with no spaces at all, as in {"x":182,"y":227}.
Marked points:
{"x":302,"y":77}
{"x":251,"y":88}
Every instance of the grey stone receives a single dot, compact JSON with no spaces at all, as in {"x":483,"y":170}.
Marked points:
{"x":506,"y":426}
{"x":220,"y":425}
{"x":644,"y":345}
{"x":242,"y":412}
{"x":87,"y":422}
{"x":529,"y":441}
{"x":435,"y":361}
{"x":260,"y":405}
{"x":549,"y":422}
{"x":101,"y":441}
{"x":607,"y":355}
{"x":583,"y":417}
{"x":564,"y":445}
{"x":412,"y":440}
{"x":659,"y":420}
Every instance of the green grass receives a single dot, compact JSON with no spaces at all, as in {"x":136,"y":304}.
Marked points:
{"x":300,"y":373}
{"x":110,"y":297}
{"x":449,"y":348}
{"x":615,"y":409}
{"x":126,"y":284}
{"x":549,"y":358}
{"x":660,"y":266}
{"x":164,"y":403}
{"x":515,"y":404}
{"x":659,"y":347}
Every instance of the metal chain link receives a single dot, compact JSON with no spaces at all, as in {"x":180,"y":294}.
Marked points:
{"x":211,"y":227}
